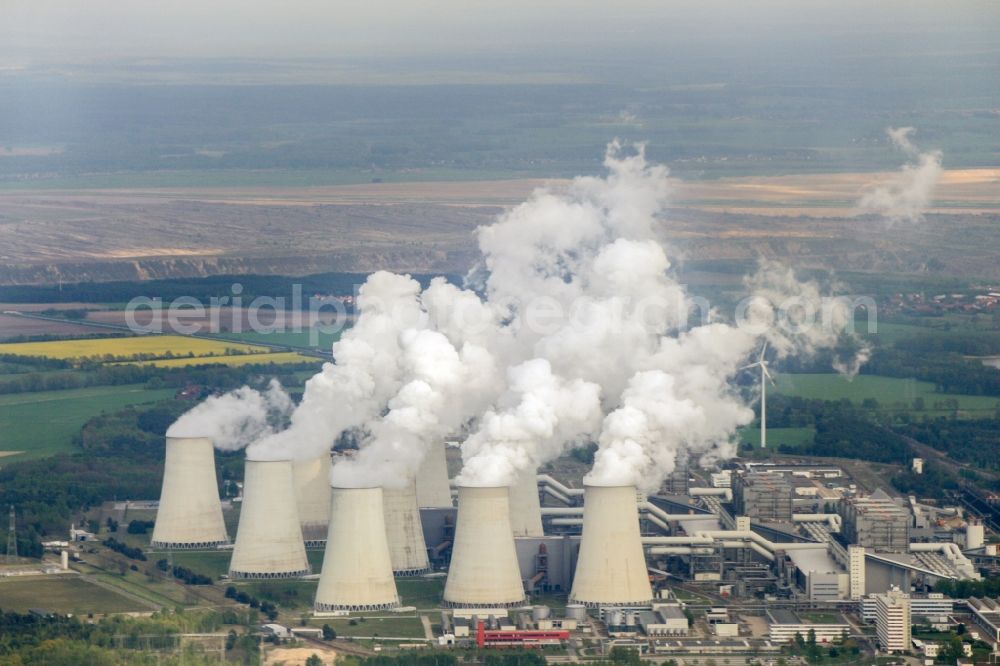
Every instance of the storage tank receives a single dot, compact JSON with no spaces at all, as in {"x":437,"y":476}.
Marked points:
{"x":269,"y":539}
{"x":484,"y":572}
{"x":525,"y":509}
{"x":576,"y":612}
{"x":312,"y":495}
{"x":190,"y":513}
{"x":433,"y":490}
{"x":611,"y":566}
{"x":404,"y":531}
{"x":357,"y":570}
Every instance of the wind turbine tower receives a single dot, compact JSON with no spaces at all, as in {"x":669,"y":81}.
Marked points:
{"x":765,"y":377}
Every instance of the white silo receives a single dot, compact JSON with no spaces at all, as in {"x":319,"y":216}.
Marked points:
{"x":269,"y":539}
{"x":312,"y":494}
{"x":357,"y":570}
{"x":407,"y":549}
{"x":484,"y":572}
{"x":433,"y":490}
{"x":190,"y":513}
{"x":611,"y":566}
{"x":525,"y":509}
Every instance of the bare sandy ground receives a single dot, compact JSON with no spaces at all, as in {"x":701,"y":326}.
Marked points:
{"x":298,"y":656}
{"x":80,"y":235}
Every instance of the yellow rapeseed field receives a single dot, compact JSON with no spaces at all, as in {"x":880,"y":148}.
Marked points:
{"x":240,"y":359}
{"x":132,"y":348}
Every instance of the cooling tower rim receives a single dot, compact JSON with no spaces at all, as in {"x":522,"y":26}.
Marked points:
{"x":333,"y":608}
{"x":408,"y":573}
{"x":608,"y":485}
{"x":609,"y":602}
{"x":260,"y":575}
{"x":445,"y":603}
{"x":187,"y":545}
{"x":371,"y":487}
{"x":196,"y":438}
{"x":250,"y":459}
{"x":465,"y":486}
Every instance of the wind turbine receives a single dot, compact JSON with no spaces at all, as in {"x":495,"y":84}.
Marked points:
{"x":765,"y":377}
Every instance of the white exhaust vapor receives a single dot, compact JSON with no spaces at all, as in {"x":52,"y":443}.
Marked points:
{"x":905,"y":196}
{"x":577,"y":331}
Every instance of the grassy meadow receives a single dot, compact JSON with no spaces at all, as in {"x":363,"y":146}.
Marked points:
{"x":62,"y":593}
{"x":43,"y":423}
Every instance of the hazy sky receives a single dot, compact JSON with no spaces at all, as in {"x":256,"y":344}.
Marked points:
{"x":52,"y":30}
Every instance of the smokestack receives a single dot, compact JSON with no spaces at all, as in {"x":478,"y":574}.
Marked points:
{"x":611,"y":567}
{"x":312,"y":495}
{"x":407,"y":549}
{"x":269,"y":540}
{"x":432,"y":478}
{"x":190,"y":514}
{"x":357,"y":570}
{"x":484,"y":571}
{"x":525,"y":509}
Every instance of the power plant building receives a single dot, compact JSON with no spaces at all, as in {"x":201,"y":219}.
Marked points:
{"x":611,"y":568}
{"x":892,"y":620}
{"x":407,"y":549}
{"x":484,"y":570}
{"x":312,"y":494}
{"x":433,"y":489}
{"x":357,"y":568}
{"x":269,"y":540}
{"x":190,"y":513}
{"x":763,"y":496}
{"x":877,"y":523}
{"x":525,"y":508}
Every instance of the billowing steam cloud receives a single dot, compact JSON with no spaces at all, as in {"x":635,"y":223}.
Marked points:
{"x":907,"y":195}
{"x":237,"y":418}
{"x":574,"y":329}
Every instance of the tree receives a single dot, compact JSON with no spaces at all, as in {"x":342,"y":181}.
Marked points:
{"x":328,"y":633}
{"x":314,"y":660}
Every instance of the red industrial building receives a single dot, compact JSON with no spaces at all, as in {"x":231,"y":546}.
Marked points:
{"x":519,"y":638}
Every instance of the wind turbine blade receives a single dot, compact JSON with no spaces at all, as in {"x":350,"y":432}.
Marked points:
{"x":763,"y":350}
{"x":747,"y":367}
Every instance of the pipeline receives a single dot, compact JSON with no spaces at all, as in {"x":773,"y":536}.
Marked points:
{"x":832,"y":519}
{"x":558,"y":485}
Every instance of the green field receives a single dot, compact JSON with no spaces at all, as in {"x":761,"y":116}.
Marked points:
{"x":41,"y":424}
{"x":403,"y":626}
{"x":307,"y":339}
{"x":420,"y":592}
{"x":890,"y":392}
{"x":64,"y":593}
{"x":777,"y":436}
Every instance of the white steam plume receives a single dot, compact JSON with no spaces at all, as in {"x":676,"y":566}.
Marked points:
{"x":578,"y":333}
{"x":907,"y":195}
{"x":237,"y":418}
{"x":365,"y":375}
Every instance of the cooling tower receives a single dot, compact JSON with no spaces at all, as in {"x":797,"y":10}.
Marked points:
{"x":312,"y":494}
{"x":407,"y":549}
{"x":432,"y":479}
{"x":484,"y":571}
{"x":611,"y":566}
{"x":525,"y":510}
{"x":357,"y":570}
{"x":269,"y":539}
{"x":190,"y":514}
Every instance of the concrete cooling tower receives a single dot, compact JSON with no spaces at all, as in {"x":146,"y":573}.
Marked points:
{"x":484,"y":572}
{"x":407,"y":549}
{"x":357,"y":570}
{"x":525,"y":509}
{"x":312,"y":494}
{"x":432,"y":479}
{"x":269,"y":539}
{"x":190,"y":514}
{"x":611,"y":567}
